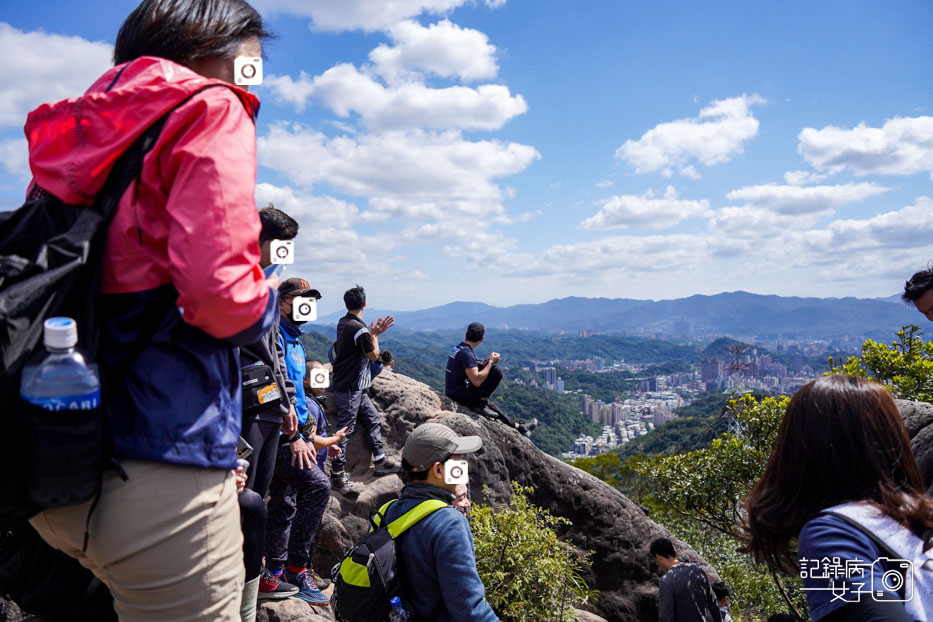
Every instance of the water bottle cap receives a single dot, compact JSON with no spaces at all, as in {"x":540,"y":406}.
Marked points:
{"x":395,"y":602}
{"x":60,"y":332}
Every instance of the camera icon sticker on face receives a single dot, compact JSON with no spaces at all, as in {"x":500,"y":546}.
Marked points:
{"x":247,"y":70}
{"x":282,"y":252}
{"x":319,"y":378}
{"x":304,"y":309}
{"x":456,"y":472}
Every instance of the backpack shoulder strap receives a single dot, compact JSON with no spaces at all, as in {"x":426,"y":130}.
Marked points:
{"x":410,"y":518}
{"x":375,"y":520}
{"x":891,"y":537}
{"x":407,"y":520}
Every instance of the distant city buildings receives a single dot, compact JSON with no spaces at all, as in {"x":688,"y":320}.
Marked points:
{"x":657,"y":396}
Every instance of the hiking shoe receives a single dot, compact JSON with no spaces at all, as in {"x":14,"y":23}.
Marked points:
{"x":322,"y":583}
{"x":385,"y":467}
{"x":308,"y":590}
{"x":272,"y":587}
{"x":340,"y":482}
{"x":526,"y":427}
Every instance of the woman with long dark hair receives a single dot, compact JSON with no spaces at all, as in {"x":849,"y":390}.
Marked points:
{"x":843,"y":482}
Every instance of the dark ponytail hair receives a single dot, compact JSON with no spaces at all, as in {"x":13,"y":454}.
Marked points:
{"x":842,"y":439}
{"x":187,"y":30}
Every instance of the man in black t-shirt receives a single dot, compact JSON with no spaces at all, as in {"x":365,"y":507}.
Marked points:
{"x":470,"y":383}
{"x":356,"y":346}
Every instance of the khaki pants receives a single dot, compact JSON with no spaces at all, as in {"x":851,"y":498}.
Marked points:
{"x":167,"y":542}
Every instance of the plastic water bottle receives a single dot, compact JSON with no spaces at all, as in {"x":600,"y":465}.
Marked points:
{"x":398,"y":613}
{"x":62,"y":420}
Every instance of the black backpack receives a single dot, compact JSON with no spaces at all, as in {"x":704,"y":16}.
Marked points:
{"x":50,"y":258}
{"x":368,"y":576}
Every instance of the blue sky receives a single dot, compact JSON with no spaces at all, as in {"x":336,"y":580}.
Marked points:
{"x":512,"y":151}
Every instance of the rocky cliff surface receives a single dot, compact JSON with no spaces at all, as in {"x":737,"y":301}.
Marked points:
{"x":604,"y":520}
{"x":918,"y":419}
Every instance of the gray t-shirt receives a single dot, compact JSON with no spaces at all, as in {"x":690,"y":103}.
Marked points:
{"x":686,"y":596}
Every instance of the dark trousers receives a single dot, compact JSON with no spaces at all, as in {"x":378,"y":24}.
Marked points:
{"x":253,"y":524}
{"x":297,"y":500}
{"x":263,"y":437}
{"x":355,"y":407}
{"x":475,"y":396}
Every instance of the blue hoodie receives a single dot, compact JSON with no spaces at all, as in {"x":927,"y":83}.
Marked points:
{"x":290,"y":340}
{"x":440,"y":580}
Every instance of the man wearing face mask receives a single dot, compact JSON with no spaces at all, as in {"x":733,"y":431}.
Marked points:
{"x":440,"y":581}
{"x":300,"y":491}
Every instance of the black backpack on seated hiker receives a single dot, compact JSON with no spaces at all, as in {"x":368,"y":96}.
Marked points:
{"x":369,"y":574}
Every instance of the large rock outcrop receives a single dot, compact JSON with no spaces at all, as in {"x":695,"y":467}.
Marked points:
{"x":918,"y":419}
{"x":603,"y":520}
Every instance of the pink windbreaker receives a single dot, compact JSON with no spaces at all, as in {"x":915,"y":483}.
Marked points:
{"x":192,"y":221}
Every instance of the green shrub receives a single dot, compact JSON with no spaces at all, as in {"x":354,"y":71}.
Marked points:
{"x":905,"y":367}
{"x":698,"y":496}
{"x":529,"y":573}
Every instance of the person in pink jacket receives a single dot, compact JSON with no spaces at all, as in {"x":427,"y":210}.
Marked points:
{"x":181,"y":289}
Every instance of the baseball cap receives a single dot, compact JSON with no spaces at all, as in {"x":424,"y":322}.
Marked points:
{"x":297,"y":287}
{"x":435,"y":442}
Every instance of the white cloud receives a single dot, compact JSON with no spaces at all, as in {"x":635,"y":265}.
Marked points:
{"x":523,"y":218}
{"x":801,"y":200}
{"x":757,"y":223}
{"x":345,"y":89}
{"x":45,"y":68}
{"x":645,"y":211}
{"x":605,"y":183}
{"x":309,"y":211}
{"x":802,"y":178}
{"x":15,"y":158}
{"x":442,"y":49}
{"x":715,"y":136}
{"x":902,"y":146}
{"x":905,"y":228}
{"x":690,"y":171}
{"x":412,"y":174}
{"x":286,"y":90}
{"x":613,"y":255}
{"x":337,"y":15}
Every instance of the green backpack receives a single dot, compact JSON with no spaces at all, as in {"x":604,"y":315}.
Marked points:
{"x":368,"y":576}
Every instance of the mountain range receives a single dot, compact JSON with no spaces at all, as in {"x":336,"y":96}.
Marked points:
{"x":733,"y":313}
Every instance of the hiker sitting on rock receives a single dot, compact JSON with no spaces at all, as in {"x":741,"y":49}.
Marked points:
{"x":470,"y":383}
